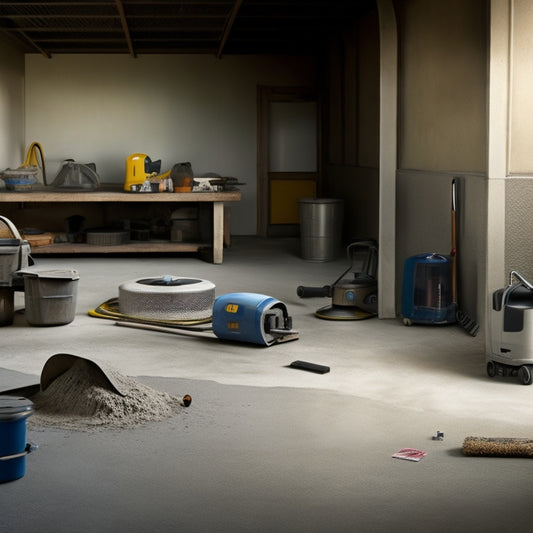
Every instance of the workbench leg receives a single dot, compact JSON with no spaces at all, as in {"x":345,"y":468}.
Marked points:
{"x":218,"y":232}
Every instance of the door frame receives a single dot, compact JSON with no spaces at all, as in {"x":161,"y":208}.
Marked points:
{"x":266,"y":95}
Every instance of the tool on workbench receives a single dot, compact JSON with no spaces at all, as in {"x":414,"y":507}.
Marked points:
{"x":23,"y":177}
{"x":143,"y":175}
{"x":73,"y":175}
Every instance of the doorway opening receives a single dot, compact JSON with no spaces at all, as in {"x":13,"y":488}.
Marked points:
{"x":288,"y":157}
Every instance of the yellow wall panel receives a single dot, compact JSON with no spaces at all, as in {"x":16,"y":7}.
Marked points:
{"x":284,"y":196}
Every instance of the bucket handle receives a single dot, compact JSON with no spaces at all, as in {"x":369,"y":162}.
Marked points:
{"x":11,"y":227}
{"x":30,"y":447}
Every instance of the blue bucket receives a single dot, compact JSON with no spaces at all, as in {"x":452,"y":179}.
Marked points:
{"x":13,"y":447}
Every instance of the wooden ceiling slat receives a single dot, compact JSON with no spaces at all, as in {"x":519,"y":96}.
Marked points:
{"x":229,"y":25}
{"x":125,"y":27}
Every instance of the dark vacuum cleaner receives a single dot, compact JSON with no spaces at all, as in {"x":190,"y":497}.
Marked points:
{"x":354,"y":293}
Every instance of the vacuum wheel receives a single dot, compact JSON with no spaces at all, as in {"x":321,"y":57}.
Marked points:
{"x":491,"y":369}
{"x":525,"y":375}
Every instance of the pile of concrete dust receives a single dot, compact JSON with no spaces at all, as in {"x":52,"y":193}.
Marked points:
{"x":82,"y":398}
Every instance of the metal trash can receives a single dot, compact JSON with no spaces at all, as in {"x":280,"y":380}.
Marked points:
{"x":320,"y":228}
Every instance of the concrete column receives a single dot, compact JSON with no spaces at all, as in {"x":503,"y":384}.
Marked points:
{"x":388,"y":42}
{"x":498,"y":152}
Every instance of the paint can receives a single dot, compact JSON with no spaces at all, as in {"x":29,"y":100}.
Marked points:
{"x":13,"y":447}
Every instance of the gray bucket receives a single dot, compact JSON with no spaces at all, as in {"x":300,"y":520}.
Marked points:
{"x":320,"y":228}
{"x":50,"y":296}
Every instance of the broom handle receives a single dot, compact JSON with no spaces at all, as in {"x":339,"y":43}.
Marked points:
{"x":454,"y":243}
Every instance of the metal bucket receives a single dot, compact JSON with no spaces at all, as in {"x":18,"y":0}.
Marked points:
{"x":320,"y":228}
{"x":50,"y":296}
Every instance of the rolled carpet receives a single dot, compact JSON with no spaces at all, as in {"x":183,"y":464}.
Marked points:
{"x":498,"y":447}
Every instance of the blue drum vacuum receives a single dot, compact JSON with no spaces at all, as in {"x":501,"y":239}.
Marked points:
{"x":427,"y":295}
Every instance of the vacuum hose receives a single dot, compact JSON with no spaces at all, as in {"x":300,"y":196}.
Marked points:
{"x":314,"y":292}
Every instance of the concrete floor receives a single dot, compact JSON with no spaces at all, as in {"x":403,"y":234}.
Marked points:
{"x":264,"y":447}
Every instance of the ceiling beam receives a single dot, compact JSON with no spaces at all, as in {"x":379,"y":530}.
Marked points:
{"x":227,"y":30}
{"x":34,"y":45}
{"x":19,"y":38}
{"x":124,"y":22}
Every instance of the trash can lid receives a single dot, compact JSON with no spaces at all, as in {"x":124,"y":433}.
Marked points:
{"x":320,"y":200}
{"x":56,"y":274}
{"x":15,"y":407}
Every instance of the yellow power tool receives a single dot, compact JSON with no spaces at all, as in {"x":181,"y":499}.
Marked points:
{"x":139,"y":169}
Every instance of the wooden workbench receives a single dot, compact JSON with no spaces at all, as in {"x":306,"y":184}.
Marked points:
{"x":113,"y":193}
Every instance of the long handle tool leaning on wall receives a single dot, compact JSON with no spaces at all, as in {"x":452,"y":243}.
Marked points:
{"x":469,"y":325}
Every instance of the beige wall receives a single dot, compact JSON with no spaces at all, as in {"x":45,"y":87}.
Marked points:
{"x":195,"y":108}
{"x":442,"y":135}
{"x":519,"y":182}
{"x":519,"y":227}
{"x":11,"y":105}
{"x":521,"y":80}
{"x":442,"y":85}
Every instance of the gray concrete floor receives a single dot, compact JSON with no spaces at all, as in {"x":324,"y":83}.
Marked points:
{"x":264,"y":447}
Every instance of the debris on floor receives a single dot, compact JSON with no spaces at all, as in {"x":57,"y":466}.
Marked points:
{"x":82,"y":397}
{"x":409,"y":454}
{"x":438,"y":436}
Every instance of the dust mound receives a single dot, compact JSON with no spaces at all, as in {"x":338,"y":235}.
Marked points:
{"x":82,"y":398}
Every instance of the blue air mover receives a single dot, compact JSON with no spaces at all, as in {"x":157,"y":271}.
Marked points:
{"x":427,"y":295}
{"x":253,"y":318}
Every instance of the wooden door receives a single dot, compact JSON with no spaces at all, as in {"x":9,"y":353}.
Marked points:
{"x":288,"y":157}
